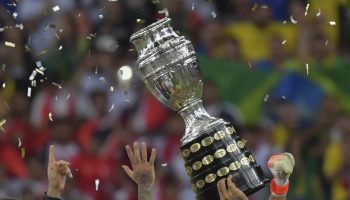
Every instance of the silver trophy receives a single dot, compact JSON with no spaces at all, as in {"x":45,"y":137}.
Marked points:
{"x":210,"y":147}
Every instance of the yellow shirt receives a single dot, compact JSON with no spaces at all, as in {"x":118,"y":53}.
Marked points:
{"x":255,"y":42}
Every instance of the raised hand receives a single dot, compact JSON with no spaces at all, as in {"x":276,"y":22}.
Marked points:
{"x":56,"y":173}
{"x":142,"y":172}
{"x":281,"y":167}
{"x":228,"y":190}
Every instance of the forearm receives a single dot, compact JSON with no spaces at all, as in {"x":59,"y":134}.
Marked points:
{"x":277,"y":197}
{"x":145,"y":194}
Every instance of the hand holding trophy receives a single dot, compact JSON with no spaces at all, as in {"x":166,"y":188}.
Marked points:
{"x":210,"y":147}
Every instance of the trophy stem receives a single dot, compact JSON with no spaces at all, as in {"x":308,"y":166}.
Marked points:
{"x":196,"y":119}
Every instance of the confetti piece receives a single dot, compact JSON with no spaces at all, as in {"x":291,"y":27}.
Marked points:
{"x":100,"y":16}
{"x":20,"y":26}
{"x":42,"y":53}
{"x":97,"y":183}
{"x":284,"y":42}
{"x":255,"y":7}
{"x":164,"y":164}
{"x":307,"y":8}
{"x":68,"y":96}
{"x":23,"y":152}
{"x":283,"y":97}
{"x":2,"y":29}
{"x":155,"y":1}
{"x":29,"y":92}
{"x":58,"y":85}
{"x":102,"y":79}
{"x":266,"y":97}
{"x":140,"y":21}
{"x":10,"y":44}
{"x":60,"y":48}
{"x":264,"y":7}
{"x":50,"y":117}
{"x":326,"y":43}
{"x":318,"y":13}
{"x":33,"y":83}
{"x":165,"y":11}
{"x":111,"y":108}
{"x":307,"y":68}
{"x":19,"y":142}
{"x":32,"y":76}
{"x":332,"y":23}
{"x":284,"y":22}
{"x":293,"y":20}
{"x":2,"y":123}
{"x":192,"y":6}
{"x":250,"y":64}
{"x":111,"y":88}
{"x":15,"y":14}
{"x":56,"y":8}
{"x":213,"y":14}
{"x":3,"y":85}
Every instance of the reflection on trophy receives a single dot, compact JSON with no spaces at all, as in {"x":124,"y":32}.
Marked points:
{"x":210,"y":147}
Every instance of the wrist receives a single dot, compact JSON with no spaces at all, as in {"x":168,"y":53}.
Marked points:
{"x":279,"y":188}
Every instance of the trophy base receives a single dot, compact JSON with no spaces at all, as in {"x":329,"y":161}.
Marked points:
{"x":217,"y":153}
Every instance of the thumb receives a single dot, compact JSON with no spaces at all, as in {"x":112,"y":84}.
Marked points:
{"x":128,"y":171}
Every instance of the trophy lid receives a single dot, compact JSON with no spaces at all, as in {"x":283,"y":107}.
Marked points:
{"x":153,"y":38}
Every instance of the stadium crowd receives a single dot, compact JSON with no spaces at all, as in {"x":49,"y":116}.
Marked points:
{"x":277,"y":69}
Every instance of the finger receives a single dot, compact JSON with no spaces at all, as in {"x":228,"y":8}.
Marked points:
{"x":231,"y":186}
{"x":52,"y":154}
{"x":128,"y":171}
{"x":62,"y":162}
{"x":137,"y":152}
{"x":153,"y":157}
{"x":130,"y":154}
{"x":144,"y":152}
{"x":223,"y":188}
{"x":219,"y":189}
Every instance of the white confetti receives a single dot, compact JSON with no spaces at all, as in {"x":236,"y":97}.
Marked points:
{"x":192,"y":6}
{"x":97,"y":183}
{"x":20,"y":26}
{"x":250,"y":64}
{"x":164,"y":164}
{"x":15,"y":14}
{"x":3,"y":85}
{"x":307,"y":8}
{"x":111,"y":88}
{"x":332,"y":23}
{"x":2,"y":29}
{"x":29,"y":92}
{"x":293,"y":20}
{"x":10,"y":44}
{"x":58,"y":85}
{"x":213,"y":14}
{"x":165,"y":11}
{"x":326,"y":43}
{"x":100,"y":16}
{"x":284,"y":97}
{"x":318,"y":13}
{"x":60,"y":48}
{"x":266,"y":97}
{"x":56,"y":8}
{"x":307,"y":68}
{"x":19,"y":142}
{"x":68,"y":96}
{"x":50,"y":117}
{"x":111,"y":108}
{"x":32,"y":76}
{"x":284,"y":22}
{"x":38,"y":63}
{"x":33,"y":83}
{"x":2,"y":123}
{"x":284,"y":42}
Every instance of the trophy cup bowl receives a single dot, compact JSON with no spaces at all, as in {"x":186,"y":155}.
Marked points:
{"x":210,"y":147}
